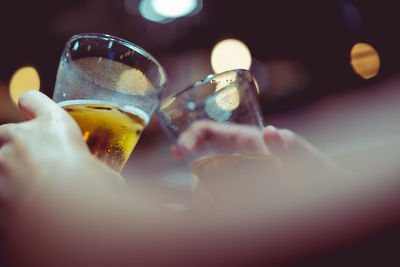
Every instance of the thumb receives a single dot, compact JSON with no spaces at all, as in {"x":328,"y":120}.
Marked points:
{"x":33,"y":104}
{"x":274,"y":140}
{"x":285,"y":143}
{"x":292,"y":148}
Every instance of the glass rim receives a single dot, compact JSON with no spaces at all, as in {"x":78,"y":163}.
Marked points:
{"x":129,"y":44}
{"x":204,"y":81}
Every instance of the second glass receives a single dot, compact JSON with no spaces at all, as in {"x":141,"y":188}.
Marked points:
{"x":205,"y":122}
{"x":111,"y":87}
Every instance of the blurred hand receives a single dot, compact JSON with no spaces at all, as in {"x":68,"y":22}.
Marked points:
{"x":49,"y":182}
{"x":230,"y":138}
{"x":288,"y":157}
{"x":282,"y":143}
{"x":45,"y":150}
{"x":64,"y":211}
{"x":297,"y":156}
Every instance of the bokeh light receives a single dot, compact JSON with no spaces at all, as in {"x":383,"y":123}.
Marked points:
{"x":24,"y":79}
{"x":215,"y":112}
{"x":163,"y":11}
{"x":230,"y":54}
{"x":365,"y":60}
{"x":228,"y":98}
{"x":147,"y":11}
{"x":174,"y":8}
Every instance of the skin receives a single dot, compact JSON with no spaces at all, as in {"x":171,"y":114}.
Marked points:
{"x":62,"y":207}
{"x":22,"y":144}
{"x":282,"y":143}
{"x":291,"y":154}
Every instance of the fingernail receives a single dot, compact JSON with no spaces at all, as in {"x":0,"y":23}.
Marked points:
{"x":273,"y":139}
{"x":271,"y":128}
{"x":187,"y":142}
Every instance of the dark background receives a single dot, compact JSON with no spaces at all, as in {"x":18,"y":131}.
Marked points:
{"x":318,"y":34}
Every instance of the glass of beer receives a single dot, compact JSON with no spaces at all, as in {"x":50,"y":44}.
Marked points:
{"x":111,"y":87}
{"x":196,"y":118}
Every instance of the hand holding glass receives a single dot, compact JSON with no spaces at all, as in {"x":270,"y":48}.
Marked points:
{"x":111,"y":87}
{"x":205,"y":122}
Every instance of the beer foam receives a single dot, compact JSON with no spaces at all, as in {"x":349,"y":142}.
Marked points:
{"x":126,"y":108}
{"x":114,"y":75}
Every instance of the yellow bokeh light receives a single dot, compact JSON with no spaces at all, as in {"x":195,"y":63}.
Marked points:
{"x":168,"y":102}
{"x":256,"y":85}
{"x":228,"y":98}
{"x":133,"y":81}
{"x":230,"y":54}
{"x":365,"y":60}
{"x":24,"y":79}
{"x":224,"y":79}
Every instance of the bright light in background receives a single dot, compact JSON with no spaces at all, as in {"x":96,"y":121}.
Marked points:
{"x":133,"y":81}
{"x":174,"y":8}
{"x":164,"y":11}
{"x":365,"y":60}
{"x":228,"y":98}
{"x":147,"y":11}
{"x":226,"y":89}
{"x":215,"y":112}
{"x":230,"y":54}
{"x":24,"y":79}
{"x":224,"y":80}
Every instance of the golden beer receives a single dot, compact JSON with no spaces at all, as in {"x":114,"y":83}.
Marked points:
{"x":111,"y":132}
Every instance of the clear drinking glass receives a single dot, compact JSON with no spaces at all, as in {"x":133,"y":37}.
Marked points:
{"x":111,"y":87}
{"x":196,"y":118}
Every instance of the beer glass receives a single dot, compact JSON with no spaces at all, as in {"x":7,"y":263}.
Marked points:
{"x":111,"y":87}
{"x":195,"y":120}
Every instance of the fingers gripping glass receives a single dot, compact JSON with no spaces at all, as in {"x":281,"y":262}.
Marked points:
{"x":111,"y":87}
{"x":205,"y":120}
